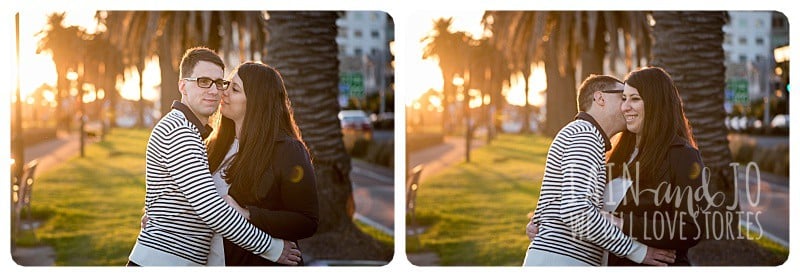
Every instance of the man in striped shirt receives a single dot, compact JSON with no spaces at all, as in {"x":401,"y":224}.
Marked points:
{"x":572,"y":230}
{"x":182,"y":206}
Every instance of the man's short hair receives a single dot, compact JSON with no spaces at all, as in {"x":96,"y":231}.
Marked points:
{"x":196,"y":54}
{"x":590,"y":85}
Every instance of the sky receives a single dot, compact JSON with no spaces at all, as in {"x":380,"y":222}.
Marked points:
{"x":37,"y":69}
{"x":425,"y":74}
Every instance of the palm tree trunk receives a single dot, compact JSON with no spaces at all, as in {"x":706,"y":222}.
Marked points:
{"x":63,"y":86}
{"x":688,"y":45}
{"x":169,"y":74}
{"x":526,"y":118}
{"x":592,"y":57}
{"x":303,"y":48}
{"x":561,"y":105}
{"x":140,"y":120}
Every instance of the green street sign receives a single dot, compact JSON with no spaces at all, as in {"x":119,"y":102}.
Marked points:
{"x":737,"y":91}
{"x":351,"y":84}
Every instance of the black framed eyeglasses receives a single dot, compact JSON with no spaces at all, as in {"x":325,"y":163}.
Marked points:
{"x":205,"y":82}
{"x":611,"y":91}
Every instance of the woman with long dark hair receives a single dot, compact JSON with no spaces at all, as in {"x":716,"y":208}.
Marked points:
{"x":259,"y":159}
{"x":657,"y":168}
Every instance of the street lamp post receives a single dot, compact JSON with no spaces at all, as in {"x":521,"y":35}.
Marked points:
{"x":18,"y":147}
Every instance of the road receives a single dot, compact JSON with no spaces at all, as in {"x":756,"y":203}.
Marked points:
{"x":383,"y":135}
{"x":373,"y":194}
{"x":373,"y":189}
{"x":764,"y":204}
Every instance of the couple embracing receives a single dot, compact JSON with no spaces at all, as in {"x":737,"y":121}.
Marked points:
{"x":253,"y":156}
{"x":604,"y":204}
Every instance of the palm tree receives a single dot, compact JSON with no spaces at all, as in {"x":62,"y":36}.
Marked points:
{"x":688,"y":45}
{"x":517,"y":34}
{"x":302,"y":46}
{"x":66,"y":46}
{"x":166,"y":34}
{"x":562,"y":40}
{"x":449,"y":48}
{"x":488,"y":71}
{"x":103,"y":68}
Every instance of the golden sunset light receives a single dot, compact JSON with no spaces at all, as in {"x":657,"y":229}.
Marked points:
{"x":427,"y":75}
{"x":38,"y":69}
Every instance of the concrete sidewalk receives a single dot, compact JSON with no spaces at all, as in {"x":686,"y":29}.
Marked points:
{"x":54,"y":152}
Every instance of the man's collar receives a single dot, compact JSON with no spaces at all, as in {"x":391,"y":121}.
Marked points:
{"x":204,"y":130}
{"x":588,"y":117}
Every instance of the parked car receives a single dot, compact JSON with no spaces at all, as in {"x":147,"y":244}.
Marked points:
{"x":355,"y":125}
{"x":780,"y":124}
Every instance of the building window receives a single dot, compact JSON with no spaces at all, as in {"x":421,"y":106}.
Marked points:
{"x":742,"y":40}
{"x":358,"y":52}
{"x":373,"y":52}
{"x":743,"y":23}
{"x":342,"y":32}
{"x":374,"y":34}
{"x":358,"y":34}
{"x":759,"y":41}
{"x":728,"y":39}
{"x":759,"y":23}
{"x":373,"y":17}
{"x":742,"y":59}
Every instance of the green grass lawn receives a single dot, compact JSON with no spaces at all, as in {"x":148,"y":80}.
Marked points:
{"x":475,"y":213}
{"x":91,"y":206}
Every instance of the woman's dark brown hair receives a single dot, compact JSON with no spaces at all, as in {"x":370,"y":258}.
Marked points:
{"x":663,"y":120}
{"x":268,"y":116}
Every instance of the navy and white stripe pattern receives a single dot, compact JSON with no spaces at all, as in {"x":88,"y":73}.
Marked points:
{"x":181,"y":202}
{"x":568,"y":211}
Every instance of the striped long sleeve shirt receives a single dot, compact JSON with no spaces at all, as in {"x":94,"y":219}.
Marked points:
{"x":571,"y":198}
{"x":182,"y":204}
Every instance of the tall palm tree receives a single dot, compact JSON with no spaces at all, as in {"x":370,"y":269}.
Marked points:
{"x":450,"y":49}
{"x":688,"y":45}
{"x":517,"y":34}
{"x":302,"y":46}
{"x":66,"y":47}
{"x":562,"y":40}
{"x":488,"y":71}
{"x":103,"y":68}
{"x":167,"y":34}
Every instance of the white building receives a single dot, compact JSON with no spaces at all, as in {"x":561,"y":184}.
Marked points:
{"x":364,"y":38}
{"x":750,"y":38}
{"x":363,"y":33}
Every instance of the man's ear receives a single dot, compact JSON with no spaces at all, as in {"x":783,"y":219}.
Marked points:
{"x":598,"y":97}
{"x":182,"y":86}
